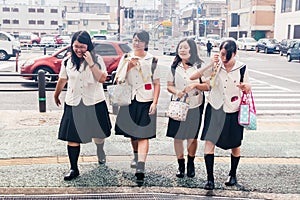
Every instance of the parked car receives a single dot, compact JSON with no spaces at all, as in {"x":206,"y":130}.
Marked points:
{"x":29,"y":39}
{"x":294,"y":52}
{"x":111,"y":52}
{"x":65,"y":39}
{"x":48,"y":41}
{"x":284,"y":45}
{"x":246,"y":43}
{"x":9,"y":46}
{"x":268,"y":45}
{"x":169,"y":47}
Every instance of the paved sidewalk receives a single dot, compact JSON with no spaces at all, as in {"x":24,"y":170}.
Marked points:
{"x":33,"y":161}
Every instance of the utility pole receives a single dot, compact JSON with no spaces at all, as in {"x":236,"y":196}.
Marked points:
{"x":197,"y":19}
{"x":119,"y":20}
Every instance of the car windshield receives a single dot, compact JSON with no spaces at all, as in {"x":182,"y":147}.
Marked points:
{"x":273,"y":41}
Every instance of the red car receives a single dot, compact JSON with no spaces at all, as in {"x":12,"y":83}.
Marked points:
{"x":111,"y":52}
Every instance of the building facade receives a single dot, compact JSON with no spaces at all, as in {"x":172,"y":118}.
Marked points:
{"x":251,"y":18}
{"x":287,"y":23}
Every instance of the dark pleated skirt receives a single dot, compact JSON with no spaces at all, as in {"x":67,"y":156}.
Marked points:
{"x":188,"y":129}
{"x":222,"y":128}
{"x":134,"y":121}
{"x":82,"y":123}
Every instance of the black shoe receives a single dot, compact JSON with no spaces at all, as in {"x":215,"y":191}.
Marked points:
{"x":231,"y":181}
{"x":210,"y":185}
{"x":139,"y":178}
{"x":71,"y":175}
{"x":133,"y":163}
{"x":102,"y":161}
{"x":180,"y":173}
{"x":190,"y":170}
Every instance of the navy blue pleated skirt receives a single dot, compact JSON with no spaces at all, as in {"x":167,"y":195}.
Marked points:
{"x":82,"y":123}
{"x":222,"y":128}
{"x":135,"y":122}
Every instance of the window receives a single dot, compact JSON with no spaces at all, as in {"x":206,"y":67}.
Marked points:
{"x":3,"y":37}
{"x":15,"y":21}
{"x":6,"y":21}
{"x":286,"y":6}
{"x":73,"y":22}
{"x":31,"y":22}
{"x":297,"y":4}
{"x":15,"y":9}
{"x":5,"y":9}
{"x":40,"y":22}
{"x":53,"y":11}
{"x":40,"y":10}
{"x":235,"y":20}
{"x":54,"y":22}
{"x":105,"y":50}
{"x":31,"y":10}
{"x":297,"y":31}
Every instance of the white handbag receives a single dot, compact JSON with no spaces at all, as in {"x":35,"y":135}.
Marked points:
{"x":119,"y":95}
{"x":178,"y":109}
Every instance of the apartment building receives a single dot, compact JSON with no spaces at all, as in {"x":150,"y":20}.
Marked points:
{"x":30,"y":18}
{"x":287,"y":23}
{"x":251,"y":18}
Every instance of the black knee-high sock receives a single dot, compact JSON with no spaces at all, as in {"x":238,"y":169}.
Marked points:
{"x":135,"y":153}
{"x":209,"y":163}
{"x":234,"y":165}
{"x":73,"y":153}
{"x":100,"y":151}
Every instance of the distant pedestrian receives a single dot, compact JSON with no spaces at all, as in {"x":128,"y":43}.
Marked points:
{"x":85,"y":112}
{"x":185,"y":64}
{"x":221,"y":127}
{"x":137,"y":121}
{"x":209,"y":48}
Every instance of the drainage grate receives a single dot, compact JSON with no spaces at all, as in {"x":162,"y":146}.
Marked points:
{"x":138,"y":196}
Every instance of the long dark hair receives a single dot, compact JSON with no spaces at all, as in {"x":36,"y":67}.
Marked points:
{"x":143,"y":36}
{"x":230,"y":47}
{"x":194,"y":58}
{"x":84,"y":38}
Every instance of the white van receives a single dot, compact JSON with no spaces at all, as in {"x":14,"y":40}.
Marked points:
{"x":9,"y":46}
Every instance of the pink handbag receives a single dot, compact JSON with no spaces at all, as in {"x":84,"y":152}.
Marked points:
{"x":247,"y":112}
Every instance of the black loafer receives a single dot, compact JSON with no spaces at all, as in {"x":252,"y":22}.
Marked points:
{"x":71,"y":175}
{"x":140,"y":178}
{"x":102,"y":161}
{"x":231,"y":181}
{"x":210,"y":185}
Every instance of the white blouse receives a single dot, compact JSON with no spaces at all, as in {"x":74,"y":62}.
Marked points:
{"x":82,"y":84}
{"x":141,"y":78}
{"x":182,"y":79}
{"x":225,"y":92}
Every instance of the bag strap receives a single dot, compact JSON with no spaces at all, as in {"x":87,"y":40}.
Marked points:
{"x":242,"y":73}
{"x":253,"y":106}
{"x":122,"y":66}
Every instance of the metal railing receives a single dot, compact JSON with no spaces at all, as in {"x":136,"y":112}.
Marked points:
{"x":41,"y":81}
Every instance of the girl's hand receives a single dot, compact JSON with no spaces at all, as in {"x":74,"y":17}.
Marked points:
{"x":245,"y":87}
{"x":88,"y":58}
{"x":216,"y":58}
{"x":189,"y":88}
{"x":56,"y":100}
{"x":152,"y":109}
{"x":133,"y":62}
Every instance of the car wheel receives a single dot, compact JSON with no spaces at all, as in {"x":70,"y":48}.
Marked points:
{"x":47,"y":71}
{"x":266,"y":50}
{"x":289,"y":59}
{"x":245,"y":48}
{"x":281,"y":53}
{"x":3,"y":55}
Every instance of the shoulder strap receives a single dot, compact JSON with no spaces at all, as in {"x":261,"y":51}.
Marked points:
{"x":242,"y":73}
{"x":153,"y":66}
